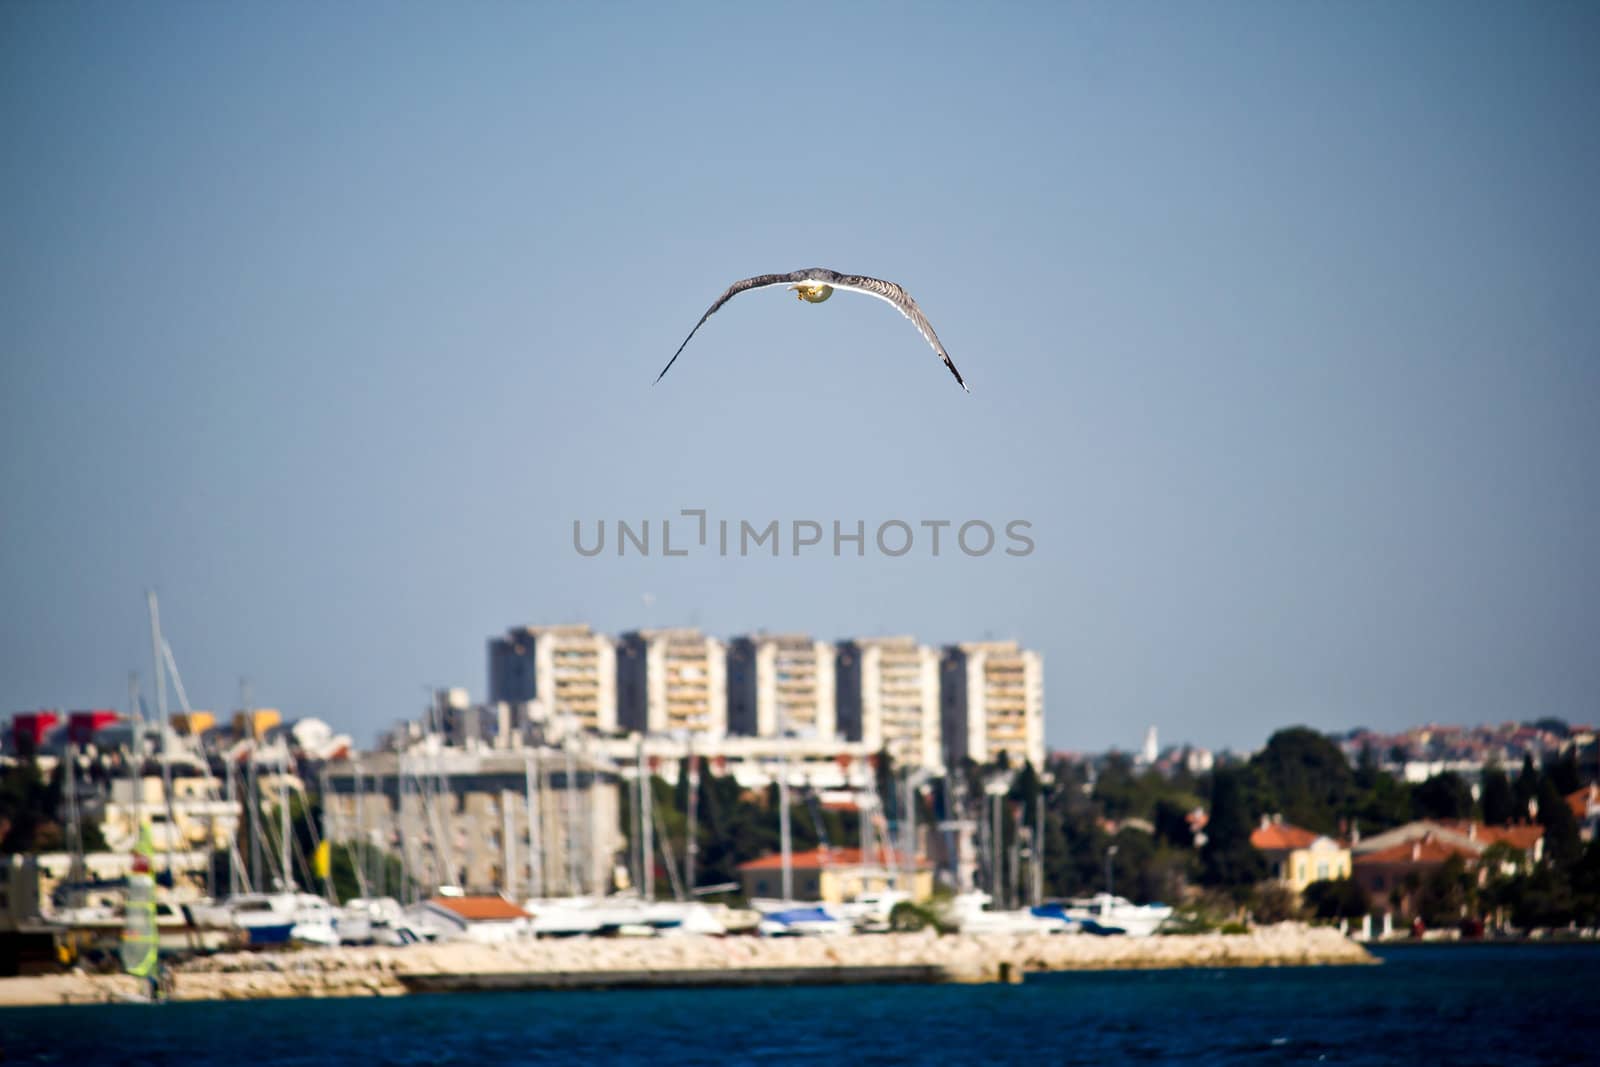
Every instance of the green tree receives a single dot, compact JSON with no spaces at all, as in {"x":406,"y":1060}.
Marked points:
{"x":1526,"y":786}
{"x":1564,"y":772}
{"x":1172,"y":824}
{"x":1585,"y":883}
{"x":1544,"y":898}
{"x":1274,"y":902}
{"x":1445,"y":894}
{"x":1561,"y":844}
{"x":346,"y":885}
{"x":1444,"y":796}
{"x":1499,"y":799}
{"x":1383,"y":802}
{"x":1308,"y":780}
{"x":1336,"y":899}
{"x":1228,"y":859}
{"x":30,"y":811}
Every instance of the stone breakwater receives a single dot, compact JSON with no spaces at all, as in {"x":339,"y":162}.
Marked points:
{"x":605,"y":963}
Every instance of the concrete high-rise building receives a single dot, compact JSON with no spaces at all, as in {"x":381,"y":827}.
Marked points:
{"x":888,"y":697}
{"x":671,"y":680}
{"x":781,"y":684}
{"x":536,"y":822}
{"x":992,"y":698}
{"x":569,"y":670}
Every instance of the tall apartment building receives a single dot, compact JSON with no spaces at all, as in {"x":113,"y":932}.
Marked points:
{"x":992,"y":697}
{"x":888,"y":697}
{"x":569,"y":669}
{"x":781,"y":684}
{"x":672,"y":680}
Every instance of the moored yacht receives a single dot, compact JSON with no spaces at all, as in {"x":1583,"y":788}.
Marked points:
{"x":1107,"y":914}
{"x":971,"y":912}
{"x":275,"y":918}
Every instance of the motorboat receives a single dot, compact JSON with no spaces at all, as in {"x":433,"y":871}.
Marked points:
{"x":621,"y":916}
{"x":1106,"y":914}
{"x":277,"y":918}
{"x":177,"y":930}
{"x":972,"y":912}
{"x":374,"y":921}
{"x":792,"y":919}
{"x":871,"y":911}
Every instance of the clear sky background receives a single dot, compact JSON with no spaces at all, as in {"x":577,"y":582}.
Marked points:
{"x":326,"y":322}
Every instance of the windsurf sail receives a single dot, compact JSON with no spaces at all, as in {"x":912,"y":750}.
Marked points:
{"x":141,"y":951}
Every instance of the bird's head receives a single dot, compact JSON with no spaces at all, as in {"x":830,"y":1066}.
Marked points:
{"x":813,"y":294}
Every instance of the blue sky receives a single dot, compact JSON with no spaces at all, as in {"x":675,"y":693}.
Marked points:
{"x":1281,"y":324}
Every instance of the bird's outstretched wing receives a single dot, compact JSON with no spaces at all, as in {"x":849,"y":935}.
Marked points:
{"x":902,"y":301}
{"x":760,"y":281}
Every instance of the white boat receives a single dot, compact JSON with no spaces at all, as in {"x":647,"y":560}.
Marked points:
{"x":1107,"y":914}
{"x":793,"y":918}
{"x":175,"y":932}
{"x":671,"y":917}
{"x":623,"y":916}
{"x":273,"y":918}
{"x":871,"y":911}
{"x":972,"y":913}
{"x":374,"y":921}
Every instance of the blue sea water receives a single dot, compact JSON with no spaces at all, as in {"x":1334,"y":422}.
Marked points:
{"x":1425,"y":1005}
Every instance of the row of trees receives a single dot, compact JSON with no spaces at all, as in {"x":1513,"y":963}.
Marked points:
{"x":32,"y":811}
{"x":1306,"y":778}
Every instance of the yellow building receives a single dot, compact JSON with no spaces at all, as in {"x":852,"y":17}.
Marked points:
{"x":1299,"y":857}
{"x":193,"y":723}
{"x":255,"y":724}
{"x":835,"y":875}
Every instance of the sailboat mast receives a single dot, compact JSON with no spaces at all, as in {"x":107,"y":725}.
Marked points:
{"x":74,"y":819}
{"x":636,"y":805}
{"x":531,"y":799}
{"x":233,"y":852}
{"x":909,"y":859}
{"x":571,"y":806}
{"x":1038,"y":847}
{"x":590,"y":800}
{"x":785,"y":842}
{"x":165,"y":727}
{"x":357,"y":843}
{"x":136,"y":752}
{"x":283,"y":827}
{"x":691,"y":846}
{"x":645,"y":800}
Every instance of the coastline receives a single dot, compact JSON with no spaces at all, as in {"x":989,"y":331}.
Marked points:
{"x":923,"y":958}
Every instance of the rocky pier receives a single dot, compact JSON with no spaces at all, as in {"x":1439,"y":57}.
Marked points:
{"x":689,"y":961}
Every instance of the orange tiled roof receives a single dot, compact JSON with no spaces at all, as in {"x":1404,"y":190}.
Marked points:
{"x":818,"y":858}
{"x":1522,"y":836}
{"x":1425,"y":850}
{"x":477,"y":909}
{"x":1579,"y":802}
{"x":1281,"y":837}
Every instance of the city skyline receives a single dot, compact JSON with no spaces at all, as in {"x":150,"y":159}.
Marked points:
{"x":1279,"y":325}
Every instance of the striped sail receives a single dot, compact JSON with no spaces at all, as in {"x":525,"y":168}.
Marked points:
{"x":140,"y":947}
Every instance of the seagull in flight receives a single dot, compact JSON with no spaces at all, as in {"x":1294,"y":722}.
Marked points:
{"x":815,"y":285}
